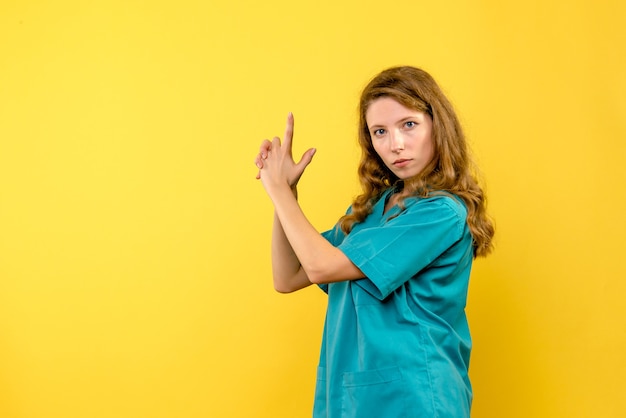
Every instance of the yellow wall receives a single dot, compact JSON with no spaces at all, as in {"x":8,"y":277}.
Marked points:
{"x":134,"y":240}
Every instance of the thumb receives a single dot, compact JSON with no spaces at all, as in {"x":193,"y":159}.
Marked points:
{"x":306,"y":158}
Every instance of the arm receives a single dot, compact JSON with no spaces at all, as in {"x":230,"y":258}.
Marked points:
{"x":300,"y":255}
{"x":287,"y":271}
{"x":322,"y":262}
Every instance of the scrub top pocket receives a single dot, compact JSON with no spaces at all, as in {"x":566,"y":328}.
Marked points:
{"x":378,"y":393}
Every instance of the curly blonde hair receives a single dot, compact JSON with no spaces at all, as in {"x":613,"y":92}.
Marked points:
{"x":451,"y":170}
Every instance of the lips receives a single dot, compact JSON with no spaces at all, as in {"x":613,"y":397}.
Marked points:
{"x":401,"y":162}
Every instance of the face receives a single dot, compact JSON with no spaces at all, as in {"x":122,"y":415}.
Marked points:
{"x":400,"y":136}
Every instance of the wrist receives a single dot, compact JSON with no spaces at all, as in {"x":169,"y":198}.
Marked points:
{"x":281,"y":191}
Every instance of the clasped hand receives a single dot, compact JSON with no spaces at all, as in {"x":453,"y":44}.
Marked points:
{"x":275,"y":161}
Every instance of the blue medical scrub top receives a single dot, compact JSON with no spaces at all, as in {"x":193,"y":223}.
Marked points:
{"x":397,"y":343}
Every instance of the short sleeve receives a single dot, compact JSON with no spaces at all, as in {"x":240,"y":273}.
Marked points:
{"x":390,"y":253}
{"x":335,"y":236}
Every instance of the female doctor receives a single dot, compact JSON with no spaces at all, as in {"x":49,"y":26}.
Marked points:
{"x":396,"y":266}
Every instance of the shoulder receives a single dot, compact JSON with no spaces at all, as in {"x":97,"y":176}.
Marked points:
{"x":441,"y":207}
{"x":445,"y":202}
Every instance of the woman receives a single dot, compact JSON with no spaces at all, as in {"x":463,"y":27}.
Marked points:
{"x":396,"y":266}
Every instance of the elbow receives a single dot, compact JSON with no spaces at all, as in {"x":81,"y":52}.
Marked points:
{"x":284,"y":284}
{"x":282,"y":288}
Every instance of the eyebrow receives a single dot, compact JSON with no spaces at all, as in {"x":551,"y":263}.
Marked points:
{"x":399,"y":121}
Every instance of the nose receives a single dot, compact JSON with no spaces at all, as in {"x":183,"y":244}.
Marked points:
{"x":396,"y":142}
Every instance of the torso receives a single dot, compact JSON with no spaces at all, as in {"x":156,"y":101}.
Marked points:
{"x":423,"y":372}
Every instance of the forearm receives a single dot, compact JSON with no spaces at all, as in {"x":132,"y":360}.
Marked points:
{"x":287,"y":272}
{"x":320,"y":261}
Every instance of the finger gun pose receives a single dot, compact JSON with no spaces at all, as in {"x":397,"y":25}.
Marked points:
{"x":396,"y":266}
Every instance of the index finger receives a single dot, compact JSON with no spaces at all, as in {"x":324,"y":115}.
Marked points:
{"x":288,"y":131}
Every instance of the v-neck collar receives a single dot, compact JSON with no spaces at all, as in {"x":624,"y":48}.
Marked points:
{"x":379,"y":209}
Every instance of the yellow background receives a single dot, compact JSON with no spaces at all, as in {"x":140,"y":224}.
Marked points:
{"x":134,"y":239}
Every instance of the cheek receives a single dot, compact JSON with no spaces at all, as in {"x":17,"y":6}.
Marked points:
{"x":428,"y":146}
{"x":377,"y":149}
{"x":379,"y":152}
{"x":430,"y":150}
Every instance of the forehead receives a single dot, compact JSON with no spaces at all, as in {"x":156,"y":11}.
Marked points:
{"x":388,"y":110}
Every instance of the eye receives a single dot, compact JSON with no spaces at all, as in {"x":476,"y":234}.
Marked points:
{"x":379,"y":132}
{"x":410,"y":124}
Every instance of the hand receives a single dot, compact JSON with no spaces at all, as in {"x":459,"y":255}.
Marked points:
{"x":275,"y":160}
